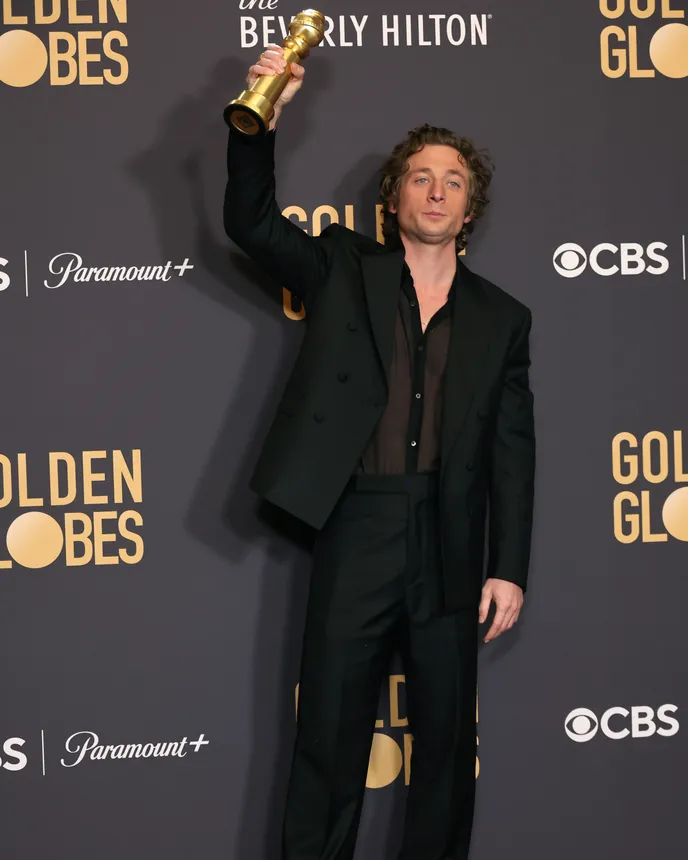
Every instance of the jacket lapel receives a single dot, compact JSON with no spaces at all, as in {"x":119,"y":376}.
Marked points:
{"x":469,"y":344}
{"x":382,"y":282}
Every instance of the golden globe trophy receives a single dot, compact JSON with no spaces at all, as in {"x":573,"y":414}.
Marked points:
{"x":252,"y":112}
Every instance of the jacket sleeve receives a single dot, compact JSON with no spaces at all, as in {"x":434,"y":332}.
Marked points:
{"x":254,"y":221}
{"x":512,"y":468}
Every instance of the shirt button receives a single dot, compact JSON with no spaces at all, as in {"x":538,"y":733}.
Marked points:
{"x":420,"y":348}
{"x":351,"y":326}
{"x":342,"y":376}
{"x":413,"y":444}
{"x":412,"y":303}
{"x":319,"y":417}
{"x":418,"y":396}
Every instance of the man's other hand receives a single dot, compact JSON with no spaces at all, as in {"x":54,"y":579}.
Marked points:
{"x":508,"y":598}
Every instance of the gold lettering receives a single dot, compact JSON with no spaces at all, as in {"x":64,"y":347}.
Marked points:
{"x":662,"y":474}
{"x":6,"y":468}
{"x":679,"y":475}
{"x":288,"y":307}
{"x":379,"y":221}
{"x":136,"y":539}
{"x":633,"y":520}
{"x":73,"y":538}
{"x":99,"y":537}
{"x":67,"y":56}
{"x":110,"y":38}
{"x":635,"y":70}
{"x":119,"y":7}
{"x":619,"y":54}
{"x":668,"y":12}
{"x":54,"y":460}
{"x":394,"y":719}
{"x":91,"y":477}
{"x":647,"y":12}
{"x":648,"y":535}
{"x":616,"y":11}
{"x":133,"y":477}
{"x":74,"y":16}
{"x":8,"y":15}
{"x":85,"y":58}
{"x":408,"y":752}
{"x":43,"y":17}
{"x":331,"y":213}
{"x":630,"y":460}
{"x":298,"y":211}
{"x":22,"y":480}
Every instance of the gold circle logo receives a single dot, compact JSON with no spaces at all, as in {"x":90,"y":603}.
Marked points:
{"x":669,"y":50}
{"x":35,"y":540}
{"x":385,"y":761}
{"x":675,"y":513}
{"x":23,"y":58}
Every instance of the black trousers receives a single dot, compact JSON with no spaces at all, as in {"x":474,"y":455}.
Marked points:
{"x":376,"y":589}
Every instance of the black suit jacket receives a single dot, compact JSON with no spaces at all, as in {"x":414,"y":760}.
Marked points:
{"x":337,"y":390}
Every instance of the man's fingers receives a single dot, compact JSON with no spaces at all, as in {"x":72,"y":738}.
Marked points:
{"x":484,"y":607}
{"x":497,"y":625}
{"x":504,"y":619}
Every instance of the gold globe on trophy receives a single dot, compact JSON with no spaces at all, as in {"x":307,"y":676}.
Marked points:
{"x":253,"y":110}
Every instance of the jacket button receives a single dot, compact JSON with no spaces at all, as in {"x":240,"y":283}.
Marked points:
{"x":342,"y":376}
{"x":470,"y":465}
{"x":351,"y":325}
{"x":482,"y":414}
{"x":319,"y":417}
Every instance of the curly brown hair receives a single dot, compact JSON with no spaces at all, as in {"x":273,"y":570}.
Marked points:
{"x":479,"y":165}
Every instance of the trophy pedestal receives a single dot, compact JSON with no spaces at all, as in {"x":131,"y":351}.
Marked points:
{"x":250,"y":113}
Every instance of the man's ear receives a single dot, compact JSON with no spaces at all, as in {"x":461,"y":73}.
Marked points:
{"x":392,"y":207}
{"x":468,"y":218}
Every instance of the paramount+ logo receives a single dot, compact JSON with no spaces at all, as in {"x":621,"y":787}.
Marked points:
{"x":646,"y":37}
{"x":639,"y":721}
{"x":92,"y":515}
{"x":69,"y":42}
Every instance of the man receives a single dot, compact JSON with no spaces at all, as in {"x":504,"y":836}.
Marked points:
{"x":407,"y":410}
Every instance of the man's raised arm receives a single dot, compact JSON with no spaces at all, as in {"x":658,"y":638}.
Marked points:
{"x":252,"y":217}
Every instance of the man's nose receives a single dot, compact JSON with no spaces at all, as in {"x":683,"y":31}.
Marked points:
{"x":437,"y":192}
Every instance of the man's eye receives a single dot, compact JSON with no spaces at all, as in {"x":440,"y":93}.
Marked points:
{"x":455,"y":184}
{"x":421,"y":179}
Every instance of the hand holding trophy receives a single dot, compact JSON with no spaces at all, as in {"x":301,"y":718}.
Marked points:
{"x":252,"y":112}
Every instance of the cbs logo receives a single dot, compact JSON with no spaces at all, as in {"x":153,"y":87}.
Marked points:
{"x":12,"y":758}
{"x":617,"y":723}
{"x":606,"y":259}
{"x":5,"y":280}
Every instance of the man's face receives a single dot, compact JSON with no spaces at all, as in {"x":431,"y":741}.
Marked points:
{"x":433,"y":196}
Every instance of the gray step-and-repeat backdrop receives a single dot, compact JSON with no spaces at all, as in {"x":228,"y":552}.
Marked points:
{"x":151,"y":608}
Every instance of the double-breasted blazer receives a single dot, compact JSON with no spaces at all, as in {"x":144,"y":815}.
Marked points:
{"x":337,"y":390}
